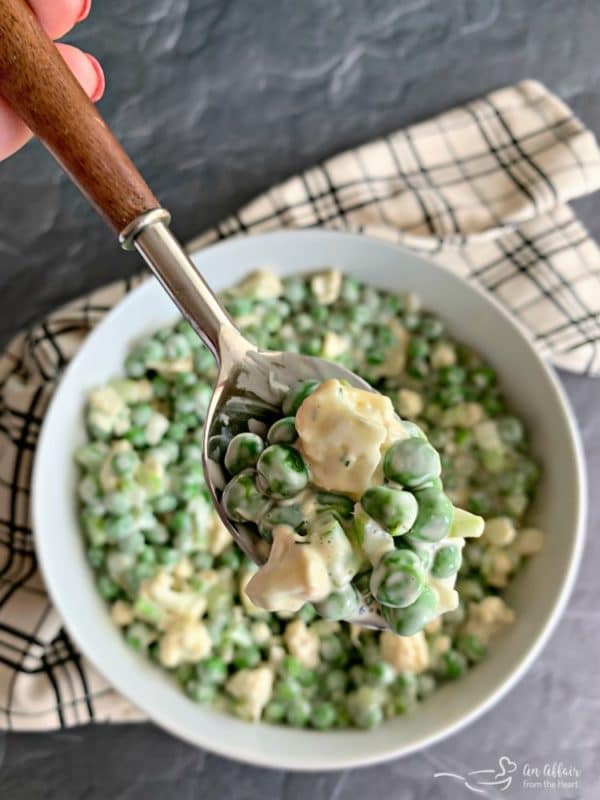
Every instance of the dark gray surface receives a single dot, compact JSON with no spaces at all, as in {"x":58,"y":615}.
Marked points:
{"x":215,"y":101}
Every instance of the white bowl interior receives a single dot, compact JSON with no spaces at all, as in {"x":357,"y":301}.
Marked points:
{"x":537,"y":595}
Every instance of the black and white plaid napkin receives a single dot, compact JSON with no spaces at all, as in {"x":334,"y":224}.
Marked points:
{"x":483,"y":189}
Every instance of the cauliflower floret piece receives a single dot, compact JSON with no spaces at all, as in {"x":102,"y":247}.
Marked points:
{"x":464,"y":415}
{"x":438,"y":645}
{"x":133,"y":391}
{"x":122,"y":613}
{"x":343,"y":433}
{"x":156,"y":428}
{"x":185,"y":641}
{"x":249,"y":607}
{"x":487,"y":436}
{"x":169,"y":369}
{"x":487,"y":617}
{"x":302,"y":642}
{"x":276,"y":653}
{"x":261,"y":633}
{"x":443,"y":354}
{"x":499,"y":531}
{"x":184,"y":569}
{"x":106,"y":400}
{"x":159,"y":590}
{"x":405,"y":653}
{"x":395,"y":355}
{"x":253,"y":689}
{"x":409,"y":403}
{"x":529,"y":541}
{"x":261,"y":284}
{"x":326,"y":286}
{"x":219,"y":537}
{"x":294,"y":574}
{"x":334,"y":345}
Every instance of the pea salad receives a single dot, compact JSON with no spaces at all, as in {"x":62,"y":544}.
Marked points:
{"x":175,"y":582}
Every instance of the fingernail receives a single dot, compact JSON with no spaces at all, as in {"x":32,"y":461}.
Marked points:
{"x":85,"y":10}
{"x":100,"y":79}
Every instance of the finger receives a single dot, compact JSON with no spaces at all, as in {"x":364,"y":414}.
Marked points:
{"x":14,"y":133}
{"x":59,"y":16}
{"x":86,"y":69}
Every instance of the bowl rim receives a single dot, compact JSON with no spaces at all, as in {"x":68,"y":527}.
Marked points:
{"x":446,"y":729}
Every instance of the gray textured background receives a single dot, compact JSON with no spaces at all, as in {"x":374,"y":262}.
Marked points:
{"x":215,"y":101}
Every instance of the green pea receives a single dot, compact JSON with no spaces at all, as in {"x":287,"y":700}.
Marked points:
{"x":393,"y":509}
{"x":410,"y":620}
{"x":282,"y":471}
{"x":296,"y":396}
{"x":434,"y":517}
{"x":291,"y":515}
{"x":164,"y":503}
{"x":426,"y":685}
{"x":418,"y":347}
{"x":452,"y":665}
{"x":117,"y":502}
{"x":204,"y":361}
{"x":88,"y":489}
{"x":411,"y":462}
{"x":298,"y":712}
{"x":287,"y":690}
{"x":336,"y":681}
{"x":343,"y":604}
{"x":446,"y":562}
{"x":107,"y":587}
{"x":332,"y":650}
{"x":418,"y":368}
{"x":230,"y":558}
{"x":323,"y":716}
{"x":91,"y":455}
{"x":283,"y":431}
{"x":140,"y":414}
{"x":120,"y":526}
{"x":177,"y":347}
{"x":307,"y":613}
{"x":161,"y":387}
{"x":275,"y":711}
{"x":95,"y":555}
{"x":471,"y":647}
{"x":243,"y":452}
{"x":431,"y":327}
{"x":482,"y":377}
{"x":364,"y":707}
{"x":380,"y":674}
{"x":181,"y":522}
{"x":451,"y":376}
{"x":413,"y":431}
{"x":424,"y":550}
{"x":134,"y":366}
{"x":202,"y":560}
{"x":125,"y":463}
{"x":212,"y":670}
{"x":133,"y":543}
{"x":242,"y":500}
{"x":510,"y":430}
{"x":398,"y":579}
{"x":200,"y":692}
{"x":337,"y":504}
{"x":217,"y":446}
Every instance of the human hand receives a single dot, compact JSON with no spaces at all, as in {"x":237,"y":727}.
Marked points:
{"x":57,"y":18}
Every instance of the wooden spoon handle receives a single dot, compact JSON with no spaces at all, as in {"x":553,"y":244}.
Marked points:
{"x":40,"y":88}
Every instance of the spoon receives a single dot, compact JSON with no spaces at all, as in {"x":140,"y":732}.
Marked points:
{"x":251,"y":383}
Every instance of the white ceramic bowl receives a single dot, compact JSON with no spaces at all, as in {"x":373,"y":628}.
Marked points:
{"x":538,"y":594}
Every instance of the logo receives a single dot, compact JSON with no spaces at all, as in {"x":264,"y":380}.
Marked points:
{"x":552,"y":775}
{"x":479,"y":780}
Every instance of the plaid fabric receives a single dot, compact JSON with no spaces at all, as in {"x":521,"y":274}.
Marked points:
{"x":483,"y":189}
